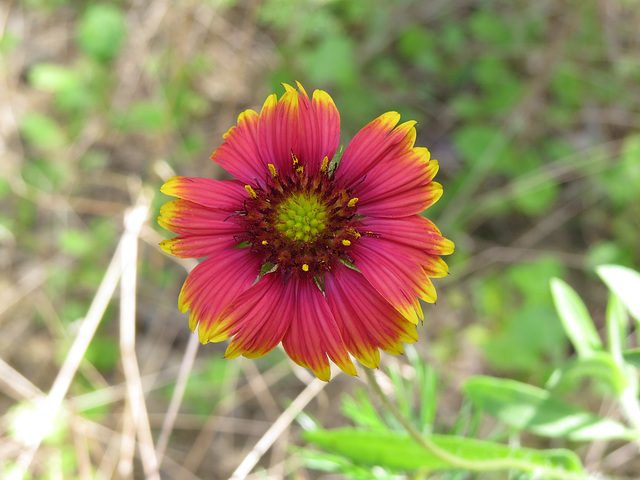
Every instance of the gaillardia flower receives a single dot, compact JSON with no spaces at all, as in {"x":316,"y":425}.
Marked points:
{"x":327,"y":255}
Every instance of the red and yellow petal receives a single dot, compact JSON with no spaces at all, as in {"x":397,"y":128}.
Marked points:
{"x":257,"y":320}
{"x":413,"y":231}
{"x":214,"y":284}
{"x":197,"y":246}
{"x":319,"y":125}
{"x":374,"y":143}
{"x":188,"y":218}
{"x":278,"y":131}
{"x":396,"y":273}
{"x":313,"y":336}
{"x":240,"y":153}
{"x":227,"y":195}
{"x":399,"y":185}
{"x":366,"y":320}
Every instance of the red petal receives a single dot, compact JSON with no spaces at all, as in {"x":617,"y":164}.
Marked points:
{"x":372,"y":144}
{"x":258,"y":318}
{"x":395,"y":272}
{"x":278,"y":131}
{"x":240,"y":153}
{"x":313,"y":334}
{"x":399,"y":185}
{"x":413,"y":231}
{"x":213,"y":285}
{"x":319,"y":135}
{"x":228,"y":195}
{"x":197,"y":246}
{"x":366,"y":320}
{"x":187,"y":218}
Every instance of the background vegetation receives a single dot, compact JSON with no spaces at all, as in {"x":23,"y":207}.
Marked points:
{"x":532,"y":109}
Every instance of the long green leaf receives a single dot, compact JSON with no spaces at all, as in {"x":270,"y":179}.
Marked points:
{"x":617,"y":322}
{"x":575,"y":319}
{"x":399,"y":451}
{"x":601,"y":365}
{"x":625,"y":283}
{"x":632,"y":357}
{"x":525,"y":407}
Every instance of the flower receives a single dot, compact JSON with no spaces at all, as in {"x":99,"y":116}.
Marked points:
{"x":327,"y":255}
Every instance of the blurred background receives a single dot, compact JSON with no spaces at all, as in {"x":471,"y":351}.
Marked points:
{"x":531,"y":108}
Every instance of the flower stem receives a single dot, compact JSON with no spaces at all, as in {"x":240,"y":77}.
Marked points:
{"x":457,"y":461}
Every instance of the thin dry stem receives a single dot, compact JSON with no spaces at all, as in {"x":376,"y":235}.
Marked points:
{"x":134,"y":219}
{"x":176,"y":398}
{"x":278,"y":427}
{"x":50,"y":406}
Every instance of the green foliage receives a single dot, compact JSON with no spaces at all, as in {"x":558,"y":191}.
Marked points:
{"x":42,"y":131}
{"x":525,"y":407}
{"x":101,"y":31}
{"x":203,"y":390}
{"x":521,"y":333}
{"x":575,"y":319}
{"x":625,"y":283}
{"x":398,"y":451}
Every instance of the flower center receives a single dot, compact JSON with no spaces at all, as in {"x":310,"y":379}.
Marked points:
{"x":300,"y":222}
{"x":301,"y":218}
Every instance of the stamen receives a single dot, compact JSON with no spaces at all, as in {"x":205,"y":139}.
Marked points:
{"x":346,"y":243}
{"x":300,"y":170}
{"x":250,"y":191}
{"x":325,"y":165}
{"x":305,"y":267}
{"x":272,"y":169}
{"x":264,"y":242}
{"x":352,"y":202}
{"x":294,"y":159}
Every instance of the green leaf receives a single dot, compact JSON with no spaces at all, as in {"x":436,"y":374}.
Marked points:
{"x":332,"y":61}
{"x":629,"y":161}
{"x":632,"y":357}
{"x":488,"y":27}
{"x":625,"y":283}
{"x":399,"y":451}
{"x":417,"y":44}
{"x":143,"y":116}
{"x":50,"y":77}
{"x":42,"y":131}
{"x":600,"y":365}
{"x":101,"y":31}
{"x":103,"y":353}
{"x":525,"y":407}
{"x":537,"y":200}
{"x":360,"y":410}
{"x":617,"y":321}
{"x":75,"y":242}
{"x":575,"y":319}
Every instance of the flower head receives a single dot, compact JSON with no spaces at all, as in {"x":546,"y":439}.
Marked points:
{"x":327,"y":255}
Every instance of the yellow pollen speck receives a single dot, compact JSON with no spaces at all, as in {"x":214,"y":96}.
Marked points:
{"x":264,"y":242}
{"x":346,"y":243}
{"x":294,"y":159}
{"x":250,"y":191}
{"x":305,"y":267}
{"x":325,"y":164}
{"x":300,"y":169}
{"x":272,"y":169}
{"x":352,"y":202}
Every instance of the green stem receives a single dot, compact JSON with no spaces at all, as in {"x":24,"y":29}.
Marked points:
{"x":631,"y":409}
{"x":455,"y":460}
